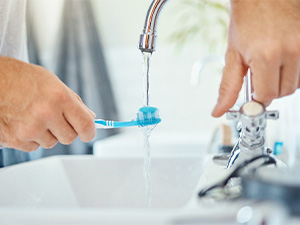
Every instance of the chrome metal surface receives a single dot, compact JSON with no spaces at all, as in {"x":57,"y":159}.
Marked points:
{"x":147,"y":42}
{"x":252,"y":142}
{"x":248,"y":86}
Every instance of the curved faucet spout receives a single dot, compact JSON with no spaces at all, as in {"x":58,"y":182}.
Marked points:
{"x":147,"y":42}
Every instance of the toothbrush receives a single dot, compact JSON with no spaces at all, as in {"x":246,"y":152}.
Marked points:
{"x":146,"y":116}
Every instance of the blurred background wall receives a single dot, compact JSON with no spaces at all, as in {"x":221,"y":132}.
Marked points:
{"x":119,"y":23}
{"x":183,"y":108}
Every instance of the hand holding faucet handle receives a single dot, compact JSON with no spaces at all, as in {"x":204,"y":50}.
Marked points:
{"x":263,"y":36}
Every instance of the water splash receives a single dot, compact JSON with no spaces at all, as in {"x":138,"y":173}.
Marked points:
{"x":147,"y":163}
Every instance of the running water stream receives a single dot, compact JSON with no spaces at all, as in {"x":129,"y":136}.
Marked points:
{"x":147,"y":129}
{"x":146,"y":75}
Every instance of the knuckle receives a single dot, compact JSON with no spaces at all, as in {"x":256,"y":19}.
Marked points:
{"x":61,"y":95}
{"x":87,"y":127}
{"x":227,"y":87}
{"x":50,"y":144}
{"x":266,"y":52}
{"x":68,"y":139}
{"x":266,"y":97}
{"x":44,"y":113}
{"x":224,"y":86}
{"x":294,"y":48}
{"x":15,"y":143}
{"x":270,"y":54}
{"x":286,"y":91}
{"x":77,"y":96}
{"x":24,"y":146}
{"x":29,"y":133}
{"x":4,"y":137}
{"x":295,"y":52}
{"x":270,"y":96}
{"x":31,"y":147}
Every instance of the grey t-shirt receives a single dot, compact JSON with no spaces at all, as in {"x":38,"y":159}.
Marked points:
{"x":13,"y":44}
{"x":13,"y":41}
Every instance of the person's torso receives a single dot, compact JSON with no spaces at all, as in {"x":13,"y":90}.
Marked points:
{"x":13,"y":41}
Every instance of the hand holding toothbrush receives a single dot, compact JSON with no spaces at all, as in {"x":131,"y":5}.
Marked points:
{"x":37,"y":109}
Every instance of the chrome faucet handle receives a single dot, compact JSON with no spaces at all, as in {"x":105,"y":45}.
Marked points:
{"x":252,"y":118}
{"x":253,"y":110}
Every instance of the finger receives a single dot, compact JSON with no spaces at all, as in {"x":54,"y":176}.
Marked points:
{"x":22,"y":137}
{"x":27,"y":146}
{"x":62,"y":130}
{"x":81,"y":120}
{"x":265,"y":81}
{"x":289,"y":77}
{"x":80,"y":100}
{"x":231,"y":83}
{"x":92,"y":113}
{"x":47,"y":140}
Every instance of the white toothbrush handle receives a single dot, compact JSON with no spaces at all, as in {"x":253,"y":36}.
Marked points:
{"x":100,"y":126}
{"x":104,"y":124}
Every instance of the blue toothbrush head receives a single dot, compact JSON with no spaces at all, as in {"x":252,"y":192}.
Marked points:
{"x":148,"y":115}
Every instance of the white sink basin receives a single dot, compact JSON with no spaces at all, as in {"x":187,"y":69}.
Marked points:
{"x":90,"y":190}
{"x":107,"y":188}
{"x":88,"y":181}
{"x":162,"y":144}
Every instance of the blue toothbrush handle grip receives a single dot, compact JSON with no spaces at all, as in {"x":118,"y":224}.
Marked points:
{"x":114,"y":124}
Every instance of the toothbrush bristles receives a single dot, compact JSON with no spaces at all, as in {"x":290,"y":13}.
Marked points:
{"x":148,"y":116}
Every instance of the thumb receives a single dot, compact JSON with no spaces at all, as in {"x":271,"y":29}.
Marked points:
{"x":231,"y":83}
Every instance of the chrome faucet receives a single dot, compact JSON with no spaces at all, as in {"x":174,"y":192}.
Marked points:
{"x":252,"y":118}
{"x":147,"y":42}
